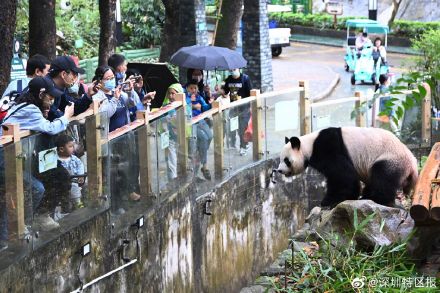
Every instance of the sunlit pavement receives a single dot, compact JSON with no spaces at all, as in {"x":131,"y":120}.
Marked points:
{"x":320,"y":65}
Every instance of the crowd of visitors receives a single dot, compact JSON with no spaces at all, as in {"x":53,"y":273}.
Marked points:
{"x":53,"y":92}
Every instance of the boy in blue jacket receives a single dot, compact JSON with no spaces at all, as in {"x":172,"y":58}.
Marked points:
{"x":198,"y":104}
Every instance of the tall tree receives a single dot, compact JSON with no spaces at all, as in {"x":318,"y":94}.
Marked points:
{"x":396,"y":5}
{"x":42,"y":28}
{"x":229,"y":23}
{"x":107,"y":23}
{"x":170,"y":39}
{"x":8,"y":12}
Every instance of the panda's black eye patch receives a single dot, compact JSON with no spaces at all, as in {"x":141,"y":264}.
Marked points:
{"x":287,"y":162}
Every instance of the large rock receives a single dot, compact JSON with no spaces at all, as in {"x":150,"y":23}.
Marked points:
{"x":386,"y":226}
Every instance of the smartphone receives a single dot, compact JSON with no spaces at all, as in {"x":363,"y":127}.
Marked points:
{"x":95,"y":85}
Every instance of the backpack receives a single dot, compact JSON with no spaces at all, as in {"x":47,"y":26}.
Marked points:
{"x":9,"y":99}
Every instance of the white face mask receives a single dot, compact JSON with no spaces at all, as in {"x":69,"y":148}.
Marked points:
{"x":235,"y":73}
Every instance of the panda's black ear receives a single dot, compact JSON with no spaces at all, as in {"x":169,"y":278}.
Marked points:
{"x":295,"y":142}
{"x":286,"y":139}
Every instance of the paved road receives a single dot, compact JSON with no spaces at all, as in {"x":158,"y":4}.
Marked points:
{"x":319,"y":64}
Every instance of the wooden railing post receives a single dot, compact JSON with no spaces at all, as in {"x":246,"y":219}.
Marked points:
{"x":182,"y":153}
{"x":94,"y":150}
{"x":360,"y":118}
{"x":144,"y":153}
{"x":218,"y":141}
{"x":257,"y":126}
{"x":304,"y":108}
{"x":14,"y":193}
{"x":419,"y":210}
{"x":426,"y":115}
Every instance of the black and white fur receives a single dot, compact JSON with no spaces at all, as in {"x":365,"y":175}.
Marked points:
{"x":348,"y":155}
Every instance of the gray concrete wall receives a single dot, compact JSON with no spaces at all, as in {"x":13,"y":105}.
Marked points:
{"x":182,"y":249}
{"x":420,"y":10}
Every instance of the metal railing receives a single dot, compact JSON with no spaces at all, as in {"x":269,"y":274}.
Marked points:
{"x":142,"y":150}
{"x":157,"y":138}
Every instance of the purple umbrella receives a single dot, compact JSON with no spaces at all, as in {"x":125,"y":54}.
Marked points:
{"x":208,"y":58}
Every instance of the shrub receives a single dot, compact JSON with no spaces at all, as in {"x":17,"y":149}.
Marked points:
{"x":320,"y":21}
{"x":401,"y":28}
{"x":411,"y":29}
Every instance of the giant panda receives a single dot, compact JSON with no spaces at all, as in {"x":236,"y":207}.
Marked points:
{"x":348,"y":155}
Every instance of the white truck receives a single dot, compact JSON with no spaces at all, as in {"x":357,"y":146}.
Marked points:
{"x":279,"y":37}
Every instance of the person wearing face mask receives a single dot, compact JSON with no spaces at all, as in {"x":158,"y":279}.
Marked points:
{"x":203,"y":90}
{"x":119,"y":65}
{"x":238,"y":86}
{"x":117,"y":107}
{"x":113,"y":102}
{"x":77,"y":90}
{"x":64,"y":74}
{"x":30,"y":111}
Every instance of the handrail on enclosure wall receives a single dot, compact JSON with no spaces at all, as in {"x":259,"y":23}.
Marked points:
{"x":12,"y":135}
{"x":13,"y":149}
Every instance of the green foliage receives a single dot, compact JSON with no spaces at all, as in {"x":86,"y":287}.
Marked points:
{"x":410,"y":86}
{"x":421,"y":163}
{"x":81,"y":21}
{"x":400,"y":28}
{"x":321,"y":21}
{"x":336,"y":263}
{"x":143,"y":21}
{"x":22,"y":25}
{"x":428,"y":62}
{"x":411,"y":29}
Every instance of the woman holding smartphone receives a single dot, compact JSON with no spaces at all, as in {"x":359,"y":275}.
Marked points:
{"x":113,"y":101}
{"x":116,"y":105}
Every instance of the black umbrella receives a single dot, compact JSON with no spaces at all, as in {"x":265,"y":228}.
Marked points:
{"x":208,"y":58}
{"x":157,"y":77}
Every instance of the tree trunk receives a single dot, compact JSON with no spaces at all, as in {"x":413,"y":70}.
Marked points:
{"x":42,"y":28}
{"x":170,"y":36}
{"x":8,"y":10}
{"x":396,"y":5}
{"x":229,"y":24}
{"x":107,"y":40}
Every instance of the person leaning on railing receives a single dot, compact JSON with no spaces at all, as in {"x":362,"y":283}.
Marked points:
{"x":64,"y":74}
{"x":31,"y":111}
{"x":113,"y":102}
{"x":116,"y":106}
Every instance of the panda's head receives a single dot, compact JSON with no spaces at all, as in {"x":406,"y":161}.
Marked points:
{"x":291,"y":158}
